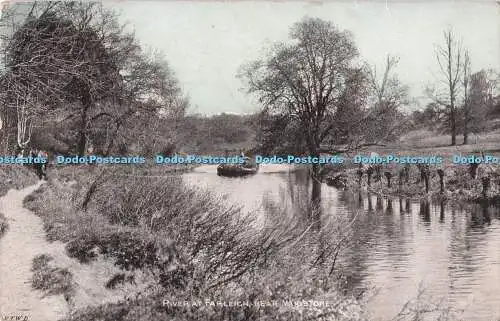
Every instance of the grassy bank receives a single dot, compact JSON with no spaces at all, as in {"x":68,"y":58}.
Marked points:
{"x":193,"y":247}
{"x":431,"y":141}
{"x":459,"y":185}
{"x":16,"y":176}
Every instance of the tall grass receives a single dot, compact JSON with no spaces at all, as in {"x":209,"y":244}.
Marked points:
{"x":52,"y":280}
{"x":198,"y":248}
{"x":16,"y":176}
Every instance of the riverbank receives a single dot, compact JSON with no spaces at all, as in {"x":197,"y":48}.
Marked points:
{"x":456,"y":184}
{"x":129,"y":244}
{"x":191,"y":245}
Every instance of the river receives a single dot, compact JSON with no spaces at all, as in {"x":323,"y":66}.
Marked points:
{"x":452,"y":252}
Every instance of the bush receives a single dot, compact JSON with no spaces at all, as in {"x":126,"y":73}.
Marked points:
{"x":16,"y":176}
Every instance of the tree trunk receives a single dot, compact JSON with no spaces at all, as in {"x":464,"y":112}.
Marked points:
{"x":316,"y":181}
{"x":466,"y":131}
{"x":360,"y":176}
{"x":388,"y":176}
{"x":316,"y":196}
{"x":453,"y":125}
{"x":441,"y":180}
{"x":369,"y":173}
{"x":486,"y":182}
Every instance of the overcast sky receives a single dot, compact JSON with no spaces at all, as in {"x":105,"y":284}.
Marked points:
{"x":206,"y":42}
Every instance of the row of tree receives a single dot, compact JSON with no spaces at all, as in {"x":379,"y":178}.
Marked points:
{"x":73,"y":78}
{"x":73,"y":73}
{"x":462,"y":100}
{"x":319,"y":97}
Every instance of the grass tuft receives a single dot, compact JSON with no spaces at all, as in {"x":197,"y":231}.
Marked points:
{"x":51,"y":280}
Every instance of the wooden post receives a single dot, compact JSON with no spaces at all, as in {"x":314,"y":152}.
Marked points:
{"x":425,"y":175}
{"x":486,"y":186}
{"x":378,"y":170}
{"x":473,"y":170}
{"x":360,"y":175}
{"x":388,"y":175}
{"x":441,"y":179}
{"x":406,"y":170}
{"x":369,"y":173}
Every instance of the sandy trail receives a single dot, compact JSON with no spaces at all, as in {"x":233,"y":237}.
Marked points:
{"x":24,"y":239}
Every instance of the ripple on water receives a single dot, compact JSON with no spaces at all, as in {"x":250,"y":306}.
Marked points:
{"x":454,"y":253}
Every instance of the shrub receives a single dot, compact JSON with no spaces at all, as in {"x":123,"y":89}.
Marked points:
{"x":16,"y":176}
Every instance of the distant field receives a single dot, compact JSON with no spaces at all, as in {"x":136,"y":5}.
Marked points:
{"x":426,"y":142}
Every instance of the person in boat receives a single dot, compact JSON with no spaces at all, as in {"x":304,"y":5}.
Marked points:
{"x":19,"y":151}
{"x":245,"y":160}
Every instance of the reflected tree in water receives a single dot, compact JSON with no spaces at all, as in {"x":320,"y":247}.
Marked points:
{"x":360,"y":200}
{"x":388,"y":208}
{"x":324,"y":238}
{"x":379,"y":206}
{"x":408,"y":206}
{"x":425,"y":210}
{"x":370,"y":205}
{"x":441,"y":211}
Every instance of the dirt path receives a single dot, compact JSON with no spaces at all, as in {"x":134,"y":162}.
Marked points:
{"x":24,"y":240}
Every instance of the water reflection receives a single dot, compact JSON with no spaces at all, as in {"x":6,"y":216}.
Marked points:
{"x":425,"y":211}
{"x":441,"y":211}
{"x":370,"y":205}
{"x":452,"y":249}
{"x":388,"y":208}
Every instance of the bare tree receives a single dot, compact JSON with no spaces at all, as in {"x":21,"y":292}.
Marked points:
{"x":24,"y":125}
{"x":316,"y":83}
{"x":57,"y":61}
{"x":389,"y":97}
{"x":304,"y":80}
{"x":77,"y":60}
{"x":449,"y":57}
{"x":482,"y":90}
{"x":467,"y":106}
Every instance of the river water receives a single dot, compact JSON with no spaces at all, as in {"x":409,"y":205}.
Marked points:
{"x":450,"y":252}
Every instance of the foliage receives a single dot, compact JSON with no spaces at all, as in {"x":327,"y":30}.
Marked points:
{"x":304,"y":80}
{"x":217,"y":133}
{"x":318,"y":98}
{"x":72,"y":65}
{"x":16,"y":176}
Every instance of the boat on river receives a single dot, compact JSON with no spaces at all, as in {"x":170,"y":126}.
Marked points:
{"x":236,"y":170}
